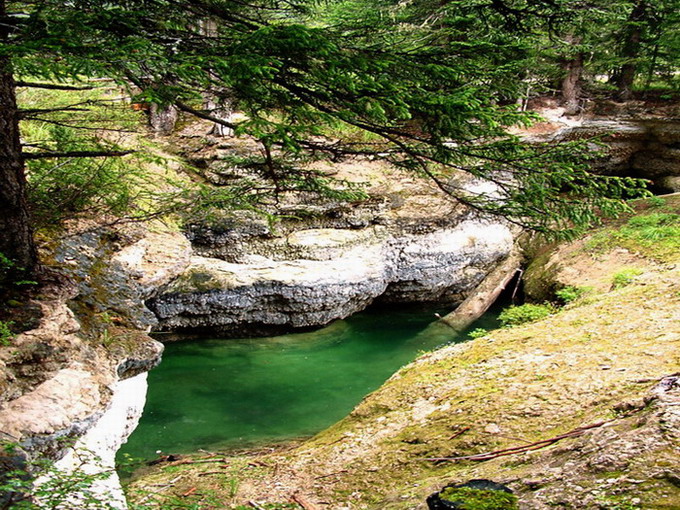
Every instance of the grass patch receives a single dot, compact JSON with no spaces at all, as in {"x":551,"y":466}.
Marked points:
{"x":655,"y":235}
{"x":625,"y":277}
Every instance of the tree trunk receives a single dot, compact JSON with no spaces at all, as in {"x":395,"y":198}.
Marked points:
{"x":571,"y":83}
{"x":630,"y":51}
{"x":485,"y":294}
{"x":219,"y":107}
{"x":163,"y":119}
{"x":16,"y":235}
{"x":217,"y":101}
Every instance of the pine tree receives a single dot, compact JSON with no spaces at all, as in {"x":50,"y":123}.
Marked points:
{"x":437,"y":96}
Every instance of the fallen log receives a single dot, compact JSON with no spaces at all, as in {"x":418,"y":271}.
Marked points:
{"x":485,"y":294}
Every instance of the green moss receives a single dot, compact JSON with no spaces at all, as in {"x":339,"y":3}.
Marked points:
{"x":479,"y":499}
{"x":539,"y":278}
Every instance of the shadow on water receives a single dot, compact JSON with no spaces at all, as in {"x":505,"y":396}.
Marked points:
{"x":236,"y":393}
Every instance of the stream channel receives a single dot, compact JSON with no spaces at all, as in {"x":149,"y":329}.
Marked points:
{"x":241,"y":393}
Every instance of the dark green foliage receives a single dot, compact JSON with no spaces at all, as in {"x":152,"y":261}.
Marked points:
{"x":478,"y":333}
{"x":569,"y":294}
{"x":58,"y":490}
{"x":73,"y":187}
{"x":437,"y":94}
{"x":6,"y":333}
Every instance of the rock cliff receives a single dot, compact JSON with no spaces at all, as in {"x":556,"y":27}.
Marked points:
{"x":636,"y":140}
{"x":324,"y":260}
{"x":77,"y":380}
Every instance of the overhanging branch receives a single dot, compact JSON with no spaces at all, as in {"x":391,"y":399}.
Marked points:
{"x":51,"y":86}
{"x":203,"y":115}
{"x":76,"y":154}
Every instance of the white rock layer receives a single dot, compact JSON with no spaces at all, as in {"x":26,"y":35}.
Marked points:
{"x":330,"y":274}
{"x":94,"y":453}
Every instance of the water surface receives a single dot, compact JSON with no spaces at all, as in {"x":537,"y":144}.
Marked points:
{"x":223,"y":393}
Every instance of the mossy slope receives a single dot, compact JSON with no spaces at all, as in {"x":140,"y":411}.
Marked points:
{"x":596,"y":362}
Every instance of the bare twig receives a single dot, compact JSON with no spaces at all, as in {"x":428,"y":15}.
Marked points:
{"x":208,"y":473}
{"x":331,"y":474}
{"x":303,"y":502}
{"x":197,"y":461}
{"x":520,"y":449}
{"x":459,"y":432}
{"x":162,"y":488}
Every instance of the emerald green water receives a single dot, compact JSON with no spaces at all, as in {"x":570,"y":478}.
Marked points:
{"x":224,"y":393}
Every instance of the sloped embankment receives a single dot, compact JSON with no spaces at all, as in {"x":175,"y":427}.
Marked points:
{"x":600,"y":371}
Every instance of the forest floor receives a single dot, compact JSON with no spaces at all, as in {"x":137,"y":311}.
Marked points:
{"x":588,"y":401}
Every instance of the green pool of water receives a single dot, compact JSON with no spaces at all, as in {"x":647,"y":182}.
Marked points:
{"x":225,"y":393}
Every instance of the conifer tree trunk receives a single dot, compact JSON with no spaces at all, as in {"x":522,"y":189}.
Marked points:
{"x":163,"y":119}
{"x":630,"y":51}
{"x":571,"y":83}
{"x":217,"y":102}
{"x":16,"y":235}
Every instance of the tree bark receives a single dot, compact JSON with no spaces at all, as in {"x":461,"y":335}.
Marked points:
{"x":16,"y":235}
{"x":163,"y":119}
{"x":217,"y":102}
{"x":220,"y":108}
{"x":485,"y":294}
{"x":571,"y":83}
{"x":631,"y":51}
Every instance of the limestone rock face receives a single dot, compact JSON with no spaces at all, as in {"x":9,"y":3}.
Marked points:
{"x":636,"y":147}
{"x":59,"y":380}
{"x":95,"y":452}
{"x":311,"y":277}
{"x":445,"y":265}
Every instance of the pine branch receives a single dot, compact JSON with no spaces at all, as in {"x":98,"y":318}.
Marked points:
{"x":201,"y":114}
{"x":76,"y":154}
{"x":51,"y":86}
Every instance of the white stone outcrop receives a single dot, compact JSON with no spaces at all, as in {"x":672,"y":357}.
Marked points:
{"x":93,"y":455}
{"x":318,"y":275}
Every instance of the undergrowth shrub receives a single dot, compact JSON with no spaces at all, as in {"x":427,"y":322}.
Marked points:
{"x":61,"y":189}
{"x":477,"y":333}
{"x":52,"y":488}
{"x":625,"y":277}
{"x":467,"y":498}
{"x":522,"y":314}
{"x":6,"y":333}
{"x":569,"y":294}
